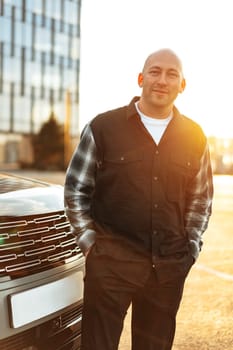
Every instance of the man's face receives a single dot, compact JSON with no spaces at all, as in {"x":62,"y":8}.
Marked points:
{"x":161,"y":80}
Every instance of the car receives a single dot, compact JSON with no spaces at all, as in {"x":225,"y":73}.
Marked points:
{"x":41,"y":268}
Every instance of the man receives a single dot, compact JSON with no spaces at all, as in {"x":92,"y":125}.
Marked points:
{"x":138,"y":194}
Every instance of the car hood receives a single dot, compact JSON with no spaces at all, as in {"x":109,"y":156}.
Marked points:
{"x":22,"y":196}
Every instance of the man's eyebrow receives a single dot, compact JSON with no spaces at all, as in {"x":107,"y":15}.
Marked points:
{"x":160,"y":68}
{"x":154,"y":67}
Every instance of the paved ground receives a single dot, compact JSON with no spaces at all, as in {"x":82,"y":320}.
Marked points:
{"x":205,"y":318}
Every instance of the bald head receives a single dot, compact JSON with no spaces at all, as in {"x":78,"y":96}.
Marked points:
{"x":166,"y":55}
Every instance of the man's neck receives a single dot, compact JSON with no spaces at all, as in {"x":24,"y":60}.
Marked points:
{"x":155,"y":112}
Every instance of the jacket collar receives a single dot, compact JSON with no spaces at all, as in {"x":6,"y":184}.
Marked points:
{"x":132,"y":111}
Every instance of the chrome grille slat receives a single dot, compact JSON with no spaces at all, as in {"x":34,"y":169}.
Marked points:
{"x":72,"y":316}
{"x":40,"y":250}
{"x":25,"y":265}
{"x":8,"y":257}
{"x":62,"y":225}
{"x":65,"y":254}
{"x":68,"y":242}
{"x":33,"y":231}
{"x":48,"y":218}
{"x":32,"y":244}
{"x":16,"y":245}
{"x":4,"y":236}
{"x":54,"y":237}
{"x":12,"y":224}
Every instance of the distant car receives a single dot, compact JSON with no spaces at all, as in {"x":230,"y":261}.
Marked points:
{"x":41,"y":268}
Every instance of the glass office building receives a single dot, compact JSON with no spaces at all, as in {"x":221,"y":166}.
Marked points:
{"x":39,"y":68}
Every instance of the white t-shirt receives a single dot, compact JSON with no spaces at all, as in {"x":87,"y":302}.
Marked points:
{"x":155,"y":127}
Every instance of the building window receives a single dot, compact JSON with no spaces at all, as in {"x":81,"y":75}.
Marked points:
{"x":23,"y":10}
{"x":1,"y":66}
{"x":1,"y":7}
{"x":33,"y":36}
{"x":12,"y":30}
{"x":42,"y":90}
{"x":39,"y":51}
{"x":5,"y":111}
{"x":22,"y":70}
{"x":12,"y":94}
{"x":52,"y":41}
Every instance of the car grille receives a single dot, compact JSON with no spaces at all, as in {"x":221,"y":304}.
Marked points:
{"x":61,"y":333}
{"x":35,"y":243}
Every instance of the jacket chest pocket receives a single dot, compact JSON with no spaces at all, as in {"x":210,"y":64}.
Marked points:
{"x":182,"y":169}
{"x":122,"y":167}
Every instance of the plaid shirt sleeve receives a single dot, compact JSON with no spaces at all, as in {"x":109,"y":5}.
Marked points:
{"x":199,"y":203}
{"x":78,"y":189}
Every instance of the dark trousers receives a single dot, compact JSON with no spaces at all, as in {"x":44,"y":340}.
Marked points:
{"x":116,"y":277}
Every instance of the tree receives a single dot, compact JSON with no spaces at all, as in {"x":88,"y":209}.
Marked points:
{"x":48,"y":145}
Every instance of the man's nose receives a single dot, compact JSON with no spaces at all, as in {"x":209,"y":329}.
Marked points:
{"x":162,"y":79}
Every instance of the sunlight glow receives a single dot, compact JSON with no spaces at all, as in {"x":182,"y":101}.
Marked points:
{"x":118,"y":35}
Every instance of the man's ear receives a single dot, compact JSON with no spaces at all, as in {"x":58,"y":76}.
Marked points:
{"x":140,"y":79}
{"x":183,"y":85}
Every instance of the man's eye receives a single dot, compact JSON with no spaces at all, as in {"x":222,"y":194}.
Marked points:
{"x":172,"y":75}
{"x":154,"y":72}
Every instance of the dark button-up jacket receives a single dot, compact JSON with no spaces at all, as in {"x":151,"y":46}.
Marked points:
{"x":156,"y":196}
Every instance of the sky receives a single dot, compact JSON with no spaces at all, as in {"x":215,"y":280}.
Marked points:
{"x":118,"y":35}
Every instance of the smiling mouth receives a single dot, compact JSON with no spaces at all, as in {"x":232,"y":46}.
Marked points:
{"x":160,"y":92}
